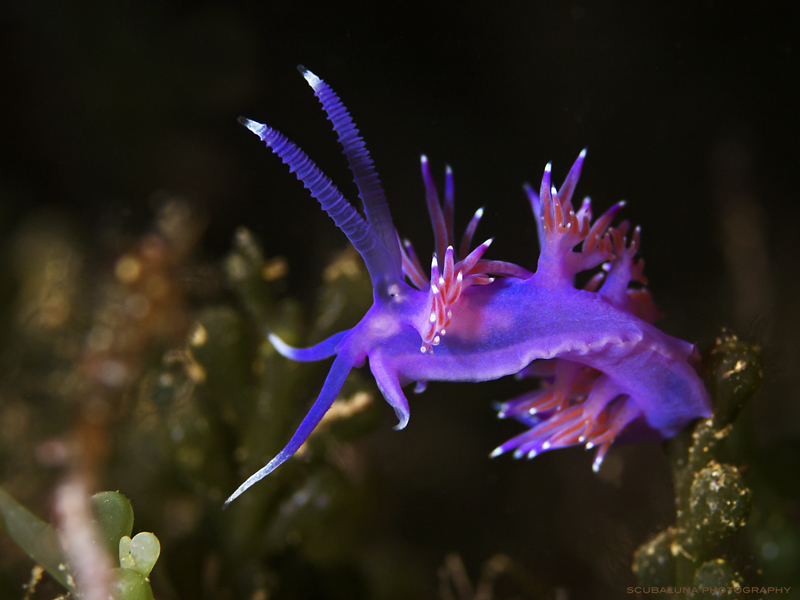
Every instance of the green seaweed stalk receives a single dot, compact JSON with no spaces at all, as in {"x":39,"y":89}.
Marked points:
{"x":706,"y":547}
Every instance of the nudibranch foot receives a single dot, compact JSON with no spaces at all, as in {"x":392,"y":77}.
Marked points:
{"x":389,"y":384}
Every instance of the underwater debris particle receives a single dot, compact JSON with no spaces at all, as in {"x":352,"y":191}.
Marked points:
{"x":199,"y":335}
{"x":275,"y":268}
{"x":127,"y":269}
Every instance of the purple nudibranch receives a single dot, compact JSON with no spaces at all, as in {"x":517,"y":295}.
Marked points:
{"x":607,"y":371}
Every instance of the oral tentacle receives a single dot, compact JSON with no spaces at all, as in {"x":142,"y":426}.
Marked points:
{"x":325,"y":349}
{"x":341,"y":367}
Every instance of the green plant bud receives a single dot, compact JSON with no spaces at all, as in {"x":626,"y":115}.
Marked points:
{"x":653,"y":562}
{"x":140,"y":553}
{"x":735,"y":372}
{"x":127,"y":584}
{"x":719,"y":502}
{"x":114,"y":517}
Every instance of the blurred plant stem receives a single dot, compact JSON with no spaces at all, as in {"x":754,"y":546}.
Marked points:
{"x":119,"y":381}
{"x":705,"y":547}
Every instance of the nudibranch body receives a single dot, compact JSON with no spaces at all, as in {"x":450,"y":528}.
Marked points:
{"x":607,"y":371}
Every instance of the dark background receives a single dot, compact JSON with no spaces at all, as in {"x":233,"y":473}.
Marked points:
{"x":689,"y":112}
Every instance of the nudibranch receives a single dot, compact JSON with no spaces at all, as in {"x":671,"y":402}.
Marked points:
{"x":607,"y":373}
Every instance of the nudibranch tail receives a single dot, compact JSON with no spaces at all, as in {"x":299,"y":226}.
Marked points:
{"x":379,"y":263}
{"x":366,"y":179}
